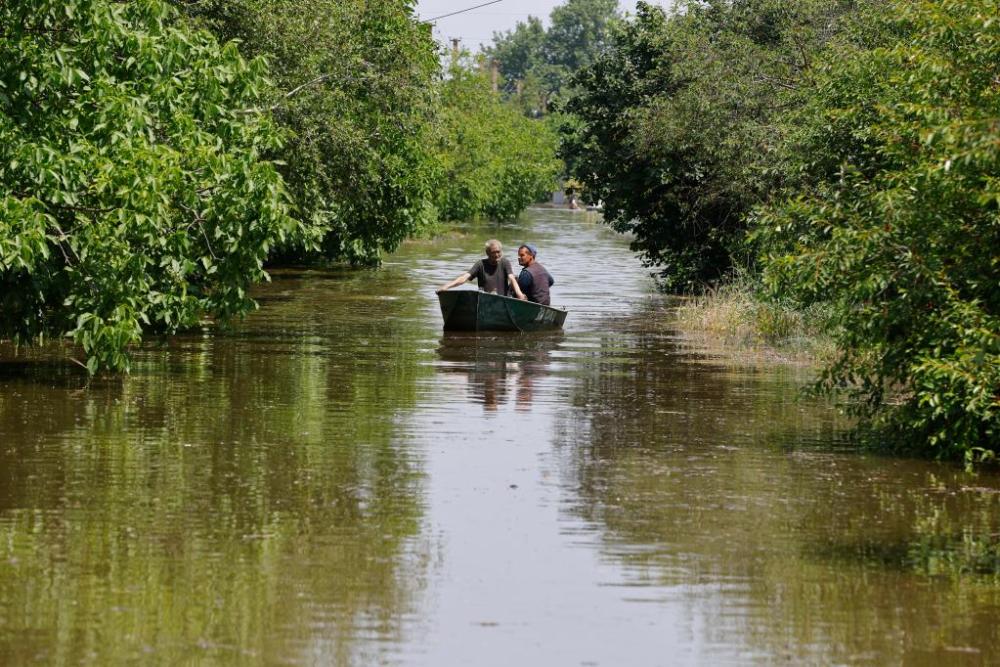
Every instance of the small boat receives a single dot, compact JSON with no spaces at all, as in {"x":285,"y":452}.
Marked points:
{"x":472,"y":310}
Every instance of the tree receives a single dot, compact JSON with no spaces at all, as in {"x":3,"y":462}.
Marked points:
{"x":518,"y":51}
{"x":893,"y":223}
{"x":675,"y":126}
{"x":579,"y":32}
{"x":538,"y":63}
{"x":136,"y":196}
{"x":355,"y":92}
{"x":493,"y":160}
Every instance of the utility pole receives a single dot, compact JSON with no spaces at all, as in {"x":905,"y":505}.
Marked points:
{"x":454,"y":49}
{"x":495,"y":73}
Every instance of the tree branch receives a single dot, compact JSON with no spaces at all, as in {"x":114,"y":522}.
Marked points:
{"x":776,"y":82}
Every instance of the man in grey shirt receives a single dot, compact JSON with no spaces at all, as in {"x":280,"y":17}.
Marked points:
{"x":493,"y":274}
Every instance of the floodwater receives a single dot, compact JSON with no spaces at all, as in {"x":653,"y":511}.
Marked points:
{"x":337,"y":482}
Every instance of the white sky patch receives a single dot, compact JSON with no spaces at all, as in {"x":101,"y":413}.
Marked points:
{"x":476,"y":27}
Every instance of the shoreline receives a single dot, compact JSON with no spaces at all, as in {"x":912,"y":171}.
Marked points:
{"x":733,"y":323}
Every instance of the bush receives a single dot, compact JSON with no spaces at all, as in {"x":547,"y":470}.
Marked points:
{"x":494,"y":162}
{"x":135,"y":192}
{"x":896,"y":225}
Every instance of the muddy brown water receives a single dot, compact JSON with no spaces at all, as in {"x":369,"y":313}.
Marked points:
{"x":336,"y":481}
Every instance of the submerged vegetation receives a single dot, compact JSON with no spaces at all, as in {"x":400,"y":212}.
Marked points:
{"x":136,"y":189}
{"x":897,"y":226}
{"x":739,"y":315}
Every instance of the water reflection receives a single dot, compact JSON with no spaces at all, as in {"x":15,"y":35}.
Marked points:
{"x":718,"y":489}
{"x":499,"y":366}
{"x":241,"y":496}
{"x":334,"y":481}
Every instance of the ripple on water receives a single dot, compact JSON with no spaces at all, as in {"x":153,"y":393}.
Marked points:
{"x":335,"y":480}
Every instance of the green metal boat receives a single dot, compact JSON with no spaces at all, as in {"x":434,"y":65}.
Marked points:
{"x":468,"y":310}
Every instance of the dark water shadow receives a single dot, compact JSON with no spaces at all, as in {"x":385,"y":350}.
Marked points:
{"x":959,"y":554}
{"x":47,"y":371}
{"x":50,"y":365}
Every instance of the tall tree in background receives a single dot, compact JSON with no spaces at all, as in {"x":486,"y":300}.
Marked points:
{"x":538,"y":63}
{"x":518,"y":51}
{"x":355,"y":89}
{"x":579,"y":32}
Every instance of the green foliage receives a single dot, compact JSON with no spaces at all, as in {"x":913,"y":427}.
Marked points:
{"x":598,"y":131}
{"x":895,"y":223}
{"x":354,"y":89}
{"x":536,"y":64}
{"x":874,"y":126}
{"x":673,"y":128}
{"x":493,"y":160}
{"x":134,"y":192}
{"x":578,"y":32}
{"x":743,"y":315}
{"x":519,"y":51}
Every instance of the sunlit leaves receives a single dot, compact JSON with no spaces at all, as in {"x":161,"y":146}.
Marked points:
{"x":896,"y":223}
{"x":137,"y":196}
{"x":493,"y":160}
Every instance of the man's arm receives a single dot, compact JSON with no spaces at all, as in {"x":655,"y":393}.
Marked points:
{"x":460,"y":280}
{"x":517,"y":288}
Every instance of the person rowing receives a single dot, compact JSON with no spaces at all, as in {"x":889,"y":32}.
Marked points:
{"x":493,"y":274}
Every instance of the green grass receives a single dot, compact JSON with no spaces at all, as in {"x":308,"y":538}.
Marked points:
{"x":740,"y":318}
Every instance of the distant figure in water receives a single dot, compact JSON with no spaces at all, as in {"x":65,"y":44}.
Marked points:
{"x":494,"y":274}
{"x":534,"y":279}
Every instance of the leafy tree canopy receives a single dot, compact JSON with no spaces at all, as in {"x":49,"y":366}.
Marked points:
{"x":894,"y":221}
{"x":578,"y":32}
{"x":675,"y":125}
{"x":536,"y":63}
{"x":355,"y":92}
{"x":135,"y":193}
{"x":519,"y":50}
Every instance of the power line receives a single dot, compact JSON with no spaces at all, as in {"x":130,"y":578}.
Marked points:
{"x":462,"y":11}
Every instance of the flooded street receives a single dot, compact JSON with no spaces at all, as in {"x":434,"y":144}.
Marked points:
{"x":336,"y":481}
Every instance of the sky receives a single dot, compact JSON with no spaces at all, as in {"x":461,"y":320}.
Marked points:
{"x":477,"y":26}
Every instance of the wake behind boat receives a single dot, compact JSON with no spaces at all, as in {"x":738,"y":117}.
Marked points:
{"x":474,"y":310}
